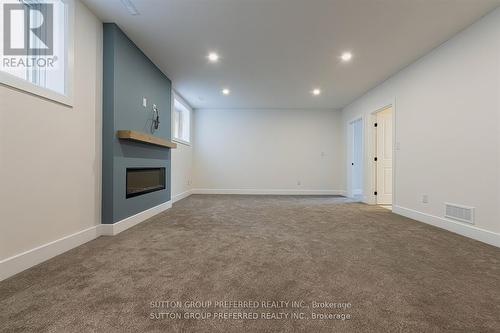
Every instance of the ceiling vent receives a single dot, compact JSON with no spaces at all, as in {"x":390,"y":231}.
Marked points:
{"x":130,"y":7}
{"x":459,"y":213}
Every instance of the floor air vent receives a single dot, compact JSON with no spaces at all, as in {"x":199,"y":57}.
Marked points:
{"x":460,"y":213}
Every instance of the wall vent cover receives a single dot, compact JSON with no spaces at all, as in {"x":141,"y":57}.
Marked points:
{"x":459,"y":213}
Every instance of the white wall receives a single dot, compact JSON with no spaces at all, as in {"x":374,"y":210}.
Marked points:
{"x":447,"y":127}
{"x":268,"y":151}
{"x":182,"y":158}
{"x":182,"y":171}
{"x":50,"y":155}
{"x":355,"y":155}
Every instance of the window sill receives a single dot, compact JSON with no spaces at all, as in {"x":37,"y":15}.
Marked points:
{"x":182,"y":142}
{"x":32,"y":89}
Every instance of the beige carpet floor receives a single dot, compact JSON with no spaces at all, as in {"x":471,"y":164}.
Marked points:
{"x":374,"y":270}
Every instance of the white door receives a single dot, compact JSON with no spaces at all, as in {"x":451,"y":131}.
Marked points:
{"x":384,"y":157}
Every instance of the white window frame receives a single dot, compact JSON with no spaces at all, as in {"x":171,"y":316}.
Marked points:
{"x":33,"y":89}
{"x":176,"y":96}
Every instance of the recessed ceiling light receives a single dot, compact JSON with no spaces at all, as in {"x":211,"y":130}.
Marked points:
{"x":213,"y":57}
{"x":226,"y":91}
{"x":130,"y":7}
{"x":316,"y":92}
{"x":346,"y":56}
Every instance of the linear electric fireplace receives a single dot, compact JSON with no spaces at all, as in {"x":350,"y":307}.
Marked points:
{"x":144,"y":180}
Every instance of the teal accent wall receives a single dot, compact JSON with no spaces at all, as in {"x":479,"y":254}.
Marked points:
{"x":129,"y":75}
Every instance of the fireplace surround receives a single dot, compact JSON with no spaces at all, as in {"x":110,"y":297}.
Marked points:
{"x":127,"y":141}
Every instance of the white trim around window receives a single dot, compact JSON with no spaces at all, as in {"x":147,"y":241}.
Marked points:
{"x":182,"y":142}
{"x":26,"y":86}
{"x":175,"y":121}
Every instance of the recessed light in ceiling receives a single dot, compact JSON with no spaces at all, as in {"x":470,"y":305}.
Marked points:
{"x":346,"y":56}
{"x":213,"y":57}
{"x":226,"y":91}
{"x":316,"y":92}
{"x":130,"y":7}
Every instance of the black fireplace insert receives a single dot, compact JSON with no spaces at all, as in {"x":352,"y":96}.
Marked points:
{"x":144,"y":180}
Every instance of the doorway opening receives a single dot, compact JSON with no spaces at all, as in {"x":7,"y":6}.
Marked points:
{"x":383,"y":156}
{"x":355,"y":160}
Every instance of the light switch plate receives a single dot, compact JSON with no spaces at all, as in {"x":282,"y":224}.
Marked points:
{"x":144,"y":102}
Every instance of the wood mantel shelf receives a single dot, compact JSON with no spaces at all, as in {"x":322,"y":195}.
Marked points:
{"x":145,"y":138}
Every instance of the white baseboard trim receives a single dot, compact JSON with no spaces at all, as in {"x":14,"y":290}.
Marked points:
{"x":20,"y":262}
{"x":181,"y":196}
{"x":267,"y":192}
{"x":30,"y":258}
{"x":129,"y":222}
{"x":470,"y":231}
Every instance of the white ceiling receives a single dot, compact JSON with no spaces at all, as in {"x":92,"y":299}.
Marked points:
{"x":274,"y":52}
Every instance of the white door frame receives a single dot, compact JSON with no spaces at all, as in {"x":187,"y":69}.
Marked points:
{"x":350,"y":147}
{"x":372,"y":166}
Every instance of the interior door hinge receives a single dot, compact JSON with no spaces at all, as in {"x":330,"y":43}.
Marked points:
{"x":375,"y":124}
{"x":375,"y":159}
{"x":375,"y":193}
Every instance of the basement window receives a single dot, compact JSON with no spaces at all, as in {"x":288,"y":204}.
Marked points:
{"x":181,"y":121}
{"x":36,"y":51}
